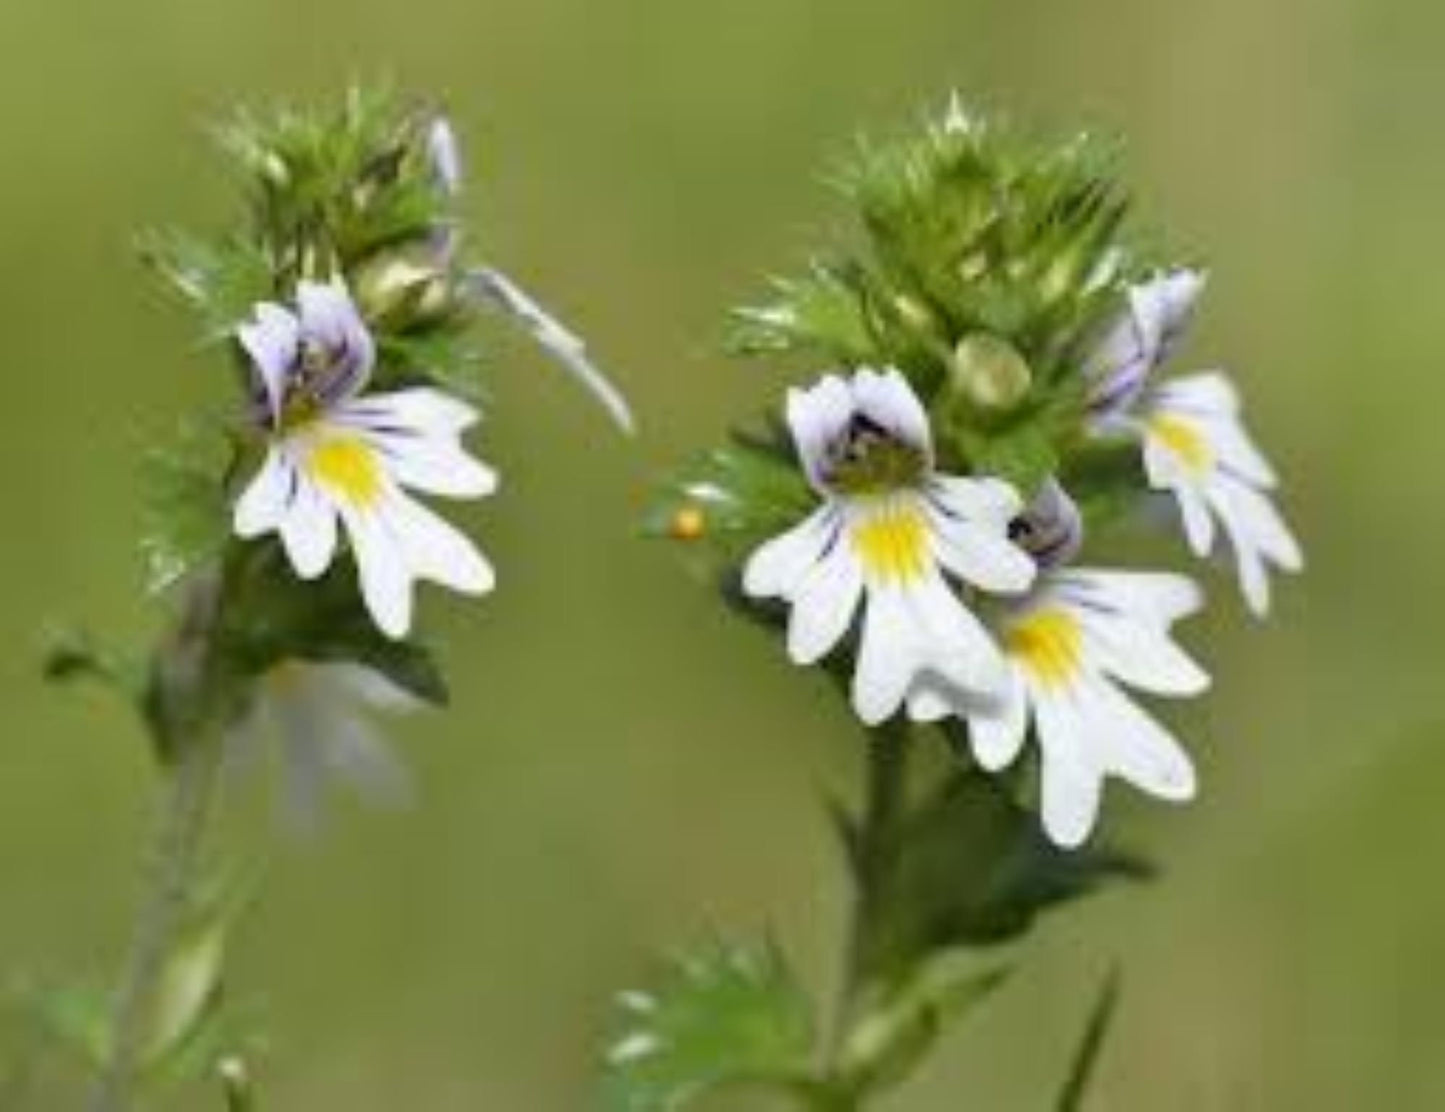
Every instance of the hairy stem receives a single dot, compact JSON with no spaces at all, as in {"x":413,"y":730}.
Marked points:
{"x":176,"y":847}
{"x":884,"y":797}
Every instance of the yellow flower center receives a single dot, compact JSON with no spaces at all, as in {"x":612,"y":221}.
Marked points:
{"x":1184,"y":440}
{"x":892,"y":542}
{"x":348,"y":465}
{"x":1049,"y":643}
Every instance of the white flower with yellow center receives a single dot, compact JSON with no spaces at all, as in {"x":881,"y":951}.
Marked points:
{"x":1196,"y":447}
{"x":336,"y":454}
{"x":317,"y":715}
{"x":889,"y":529}
{"x":1195,"y":443}
{"x":1070,"y":646}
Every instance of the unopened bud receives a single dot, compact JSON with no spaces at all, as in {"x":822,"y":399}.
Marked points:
{"x":401,"y":286}
{"x":989,"y":371}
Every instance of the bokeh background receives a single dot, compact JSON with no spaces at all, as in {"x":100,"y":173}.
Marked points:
{"x":627,"y":767}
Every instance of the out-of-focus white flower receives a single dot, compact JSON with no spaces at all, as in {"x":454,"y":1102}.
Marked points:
{"x":317,"y":717}
{"x":1196,"y":447}
{"x":338,"y":454}
{"x":1071,"y":646}
{"x":1194,"y":440}
{"x":888,"y":530}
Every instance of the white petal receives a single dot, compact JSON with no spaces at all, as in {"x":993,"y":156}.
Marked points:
{"x":355,"y":751}
{"x":432,"y":464}
{"x":263,"y":504}
{"x":981,"y":554}
{"x":1237,"y":452}
{"x":1256,"y":531}
{"x":271,"y":339}
{"x":1072,"y":780}
{"x":1156,"y":597}
{"x":997,"y":733}
{"x":817,"y":416}
{"x":386,"y":579}
{"x":948,"y":639}
{"x":1132,"y":744}
{"x":932,"y":699}
{"x":1140,"y":654}
{"x":886,"y":656}
{"x":776,"y":567}
{"x":308,"y":531}
{"x":988,"y":501}
{"x":824,"y":604}
{"x":1203,"y":395}
{"x":435,"y":550}
{"x":887,"y":399}
{"x":419,"y":410}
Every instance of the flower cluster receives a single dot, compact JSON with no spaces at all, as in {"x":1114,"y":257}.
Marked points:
{"x":1002,"y":345}
{"x":346,"y":307}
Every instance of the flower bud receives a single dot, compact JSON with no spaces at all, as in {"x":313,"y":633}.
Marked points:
{"x":401,"y":286}
{"x":989,"y":372}
{"x":1050,"y":529}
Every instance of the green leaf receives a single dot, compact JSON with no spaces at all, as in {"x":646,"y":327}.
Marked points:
{"x":221,"y":280}
{"x":732,"y":498}
{"x":970,"y":867}
{"x":186,"y":518}
{"x":823,"y":313}
{"x":1086,"y":1058}
{"x":729,"y":1014}
{"x":273,"y":616}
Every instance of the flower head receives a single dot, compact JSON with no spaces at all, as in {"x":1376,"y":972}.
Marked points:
{"x":317,"y":715}
{"x":335,"y":453}
{"x":889,"y":530}
{"x":1071,"y":646}
{"x":1196,"y":446}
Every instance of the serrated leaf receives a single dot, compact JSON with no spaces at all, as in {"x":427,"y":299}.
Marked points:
{"x":1086,"y":1058}
{"x":726,"y":1015}
{"x":322,"y":620}
{"x":222,"y":280}
{"x":186,"y":519}
{"x":822,"y":313}
{"x":732,"y":498}
{"x":971,"y":867}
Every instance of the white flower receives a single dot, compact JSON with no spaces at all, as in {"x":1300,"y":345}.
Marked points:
{"x":335,"y":453}
{"x":1196,"y":446}
{"x":1070,"y":645}
{"x":317,"y":716}
{"x":1143,"y":337}
{"x":888,"y":530}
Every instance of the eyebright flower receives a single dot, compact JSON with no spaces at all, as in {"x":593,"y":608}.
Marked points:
{"x":1050,"y":529}
{"x":317,"y":715}
{"x":1070,"y":646}
{"x":889,"y":527}
{"x":335,"y":452}
{"x":1196,"y":446}
{"x":1195,"y":443}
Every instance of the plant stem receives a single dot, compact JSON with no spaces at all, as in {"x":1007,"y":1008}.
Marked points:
{"x":176,"y":847}
{"x":884,"y":796}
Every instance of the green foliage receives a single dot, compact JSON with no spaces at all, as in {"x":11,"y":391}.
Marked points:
{"x":733,"y":497}
{"x":186,"y":519}
{"x":1086,"y":1058}
{"x":968,"y":866}
{"x":726,"y":1015}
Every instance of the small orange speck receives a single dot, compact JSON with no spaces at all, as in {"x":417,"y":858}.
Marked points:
{"x":688,"y":524}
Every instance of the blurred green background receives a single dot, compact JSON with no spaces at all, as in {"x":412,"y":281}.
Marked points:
{"x":627,"y":766}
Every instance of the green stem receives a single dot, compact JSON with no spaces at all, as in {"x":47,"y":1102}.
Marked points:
{"x":175,"y":851}
{"x":885,"y":790}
